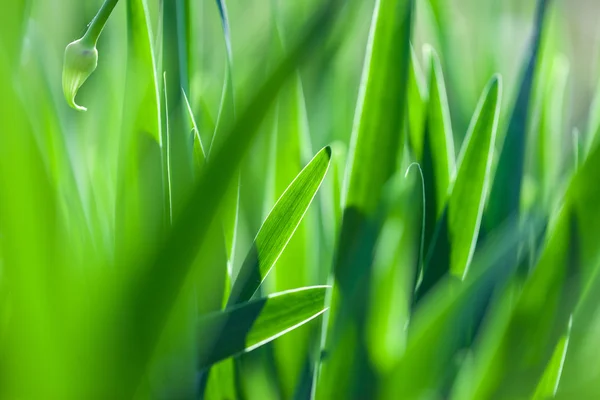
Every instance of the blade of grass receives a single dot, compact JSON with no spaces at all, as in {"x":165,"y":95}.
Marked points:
{"x":438,"y":156}
{"x":373,"y":155}
{"x":279,"y":227}
{"x":247,"y":326}
{"x":454,"y":240}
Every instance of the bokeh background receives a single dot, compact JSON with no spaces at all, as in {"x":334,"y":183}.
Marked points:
{"x":474,"y":38}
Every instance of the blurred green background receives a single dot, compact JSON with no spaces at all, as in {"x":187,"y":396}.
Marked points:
{"x":84,"y":202}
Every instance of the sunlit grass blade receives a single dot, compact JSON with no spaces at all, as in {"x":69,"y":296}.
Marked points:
{"x":372,"y":161}
{"x":150,"y":297}
{"x":505,"y":196}
{"x":279,"y":227}
{"x":247,"y":326}
{"x":455,"y":237}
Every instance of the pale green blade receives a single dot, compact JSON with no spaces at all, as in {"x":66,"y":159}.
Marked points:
{"x":247,"y":326}
{"x":456,"y":235}
{"x":279,"y":227}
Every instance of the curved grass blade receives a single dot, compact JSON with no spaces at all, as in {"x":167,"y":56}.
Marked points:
{"x":150,"y":296}
{"x":505,"y":195}
{"x":456,"y":235}
{"x":245,"y":327}
{"x":279,"y":227}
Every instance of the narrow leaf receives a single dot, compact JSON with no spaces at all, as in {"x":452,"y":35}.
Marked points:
{"x":438,"y":158}
{"x":247,"y":326}
{"x":279,"y":227}
{"x":456,"y":235}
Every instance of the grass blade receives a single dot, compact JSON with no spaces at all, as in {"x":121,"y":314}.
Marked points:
{"x":438,"y":157}
{"x":279,"y":228}
{"x":375,"y":146}
{"x":456,"y":234}
{"x":247,"y":326}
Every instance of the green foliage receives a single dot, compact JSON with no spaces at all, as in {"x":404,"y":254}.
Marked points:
{"x":185,"y":238}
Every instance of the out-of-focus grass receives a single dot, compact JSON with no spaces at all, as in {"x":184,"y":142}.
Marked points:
{"x":452,"y":241}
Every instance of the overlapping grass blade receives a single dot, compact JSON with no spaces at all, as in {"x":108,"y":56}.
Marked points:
{"x":247,"y":326}
{"x":456,"y":234}
{"x":279,"y":227}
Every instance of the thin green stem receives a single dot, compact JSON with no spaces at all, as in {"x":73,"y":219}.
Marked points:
{"x":97,"y":24}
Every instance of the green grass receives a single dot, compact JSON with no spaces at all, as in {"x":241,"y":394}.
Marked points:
{"x":307,"y":200}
